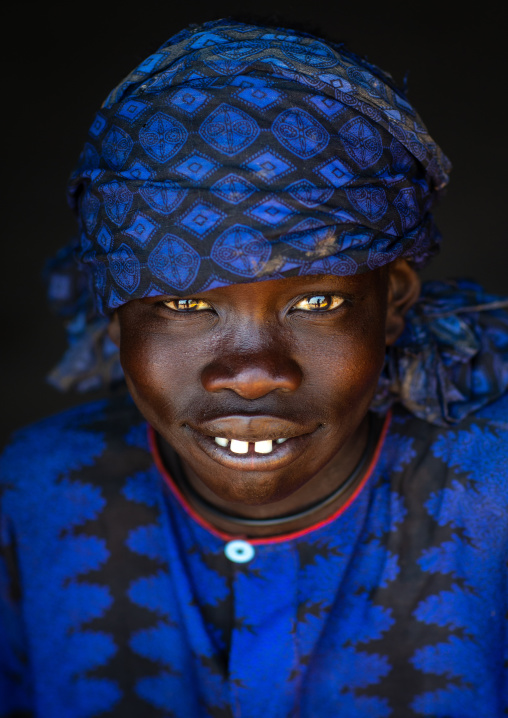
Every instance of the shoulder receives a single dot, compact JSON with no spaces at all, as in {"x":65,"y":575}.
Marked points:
{"x":475,"y":444}
{"x":453,"y":478}
{"x":460,"y":470}
{"x":65,"y":443}
{"x":479,"y":444}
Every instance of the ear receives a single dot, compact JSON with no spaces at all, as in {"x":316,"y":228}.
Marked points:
{"x":403,"y":291}
{"x":114,"y":329}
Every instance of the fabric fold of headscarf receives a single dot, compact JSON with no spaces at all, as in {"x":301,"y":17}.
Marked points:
{"x":452,"y":358}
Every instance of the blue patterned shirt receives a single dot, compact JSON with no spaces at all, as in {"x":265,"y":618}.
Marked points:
{"x":116,"y":601}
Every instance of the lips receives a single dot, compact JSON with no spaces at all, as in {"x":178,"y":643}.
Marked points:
{"x":253,"y":427}
{"x":252,"y":442}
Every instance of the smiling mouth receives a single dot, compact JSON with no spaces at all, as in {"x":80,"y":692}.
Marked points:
{"x":255,"y":443}
{"x":261,"y":455}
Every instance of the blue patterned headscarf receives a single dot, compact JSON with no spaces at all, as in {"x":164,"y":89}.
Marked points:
{"x":239,"y":153}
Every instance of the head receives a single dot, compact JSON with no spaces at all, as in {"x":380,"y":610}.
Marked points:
{"x":296,"y":359}
{"x":251,"y":203}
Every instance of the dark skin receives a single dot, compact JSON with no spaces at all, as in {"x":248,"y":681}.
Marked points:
{"x":296,"y":358}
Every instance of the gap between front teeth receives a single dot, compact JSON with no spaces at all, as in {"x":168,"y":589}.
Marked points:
{"x":242,"y":447}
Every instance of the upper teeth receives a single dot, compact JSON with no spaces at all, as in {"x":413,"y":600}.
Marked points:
{"x":239,"y":447}
{"x":263,"y":447}
{"x":242,"y":447}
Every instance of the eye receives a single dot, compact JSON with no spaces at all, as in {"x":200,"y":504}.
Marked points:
{"x":186,"y":305}
{"x":319,"y":303}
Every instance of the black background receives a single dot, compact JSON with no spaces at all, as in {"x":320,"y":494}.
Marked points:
{"x":62,"y":60}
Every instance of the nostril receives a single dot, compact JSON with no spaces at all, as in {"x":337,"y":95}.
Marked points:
{"x":251,"y":382}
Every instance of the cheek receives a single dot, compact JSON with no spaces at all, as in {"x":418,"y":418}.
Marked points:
{"x":345,"y":366}
{"x":153,"y":368}
{"x":362,"y":360}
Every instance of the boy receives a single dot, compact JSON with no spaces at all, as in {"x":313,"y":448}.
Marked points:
{"x":253,"y":531}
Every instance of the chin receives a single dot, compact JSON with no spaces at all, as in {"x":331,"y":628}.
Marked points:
{"x":254,"y":489}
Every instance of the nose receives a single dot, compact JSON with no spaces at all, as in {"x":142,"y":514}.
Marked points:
{"x":252,"y":376}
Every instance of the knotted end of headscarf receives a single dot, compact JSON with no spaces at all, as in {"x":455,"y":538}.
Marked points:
{"x":452,"y":358}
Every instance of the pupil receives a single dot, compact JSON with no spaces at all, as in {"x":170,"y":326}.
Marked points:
{"x":318,"y":302}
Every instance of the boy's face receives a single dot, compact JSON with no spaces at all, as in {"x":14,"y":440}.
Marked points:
{"x":296,"y":359}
